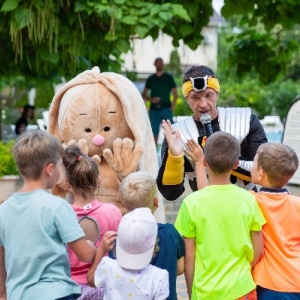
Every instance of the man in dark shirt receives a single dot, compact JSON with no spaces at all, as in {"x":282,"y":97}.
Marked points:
{"x":160,"y":84}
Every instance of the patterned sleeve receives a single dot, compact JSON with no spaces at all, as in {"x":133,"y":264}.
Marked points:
{"x":171,"y":190}
{"x":163,"y":290}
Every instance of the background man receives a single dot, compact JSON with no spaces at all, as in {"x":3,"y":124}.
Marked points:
{"x":160,"y":84}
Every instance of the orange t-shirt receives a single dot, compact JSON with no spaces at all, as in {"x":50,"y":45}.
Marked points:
{"x":279,"y":268}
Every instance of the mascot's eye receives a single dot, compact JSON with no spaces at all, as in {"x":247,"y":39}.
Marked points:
{"x":106,"y":128}
{"x":88,"y":130}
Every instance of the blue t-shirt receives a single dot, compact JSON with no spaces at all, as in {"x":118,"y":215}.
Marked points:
{"x":34,"y":228}
{"x":171,"y":248}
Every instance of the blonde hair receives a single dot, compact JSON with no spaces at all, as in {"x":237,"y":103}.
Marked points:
{"x":138,"y":189}
{"x":279,"y":161}
{"x":81,"y":171}
{"x":221,"y":152}
{"x":34,"y":150}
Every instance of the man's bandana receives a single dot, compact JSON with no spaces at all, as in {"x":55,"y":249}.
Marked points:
{"x":210,"y":83}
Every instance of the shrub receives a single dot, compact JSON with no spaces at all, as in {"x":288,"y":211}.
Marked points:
{"x":8,"y":165}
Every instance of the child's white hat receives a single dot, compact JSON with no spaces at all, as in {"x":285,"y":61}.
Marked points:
{"x":136,"y":239}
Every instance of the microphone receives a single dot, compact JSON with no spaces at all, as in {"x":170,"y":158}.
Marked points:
{"x":205,"y":119}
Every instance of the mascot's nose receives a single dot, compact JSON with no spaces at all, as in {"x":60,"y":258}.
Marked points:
{"x":98,"y":140}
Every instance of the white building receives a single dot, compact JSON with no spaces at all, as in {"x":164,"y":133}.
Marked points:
{"x":146,"y":50}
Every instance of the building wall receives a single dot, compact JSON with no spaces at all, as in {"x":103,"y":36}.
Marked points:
{"x":146,"y":50}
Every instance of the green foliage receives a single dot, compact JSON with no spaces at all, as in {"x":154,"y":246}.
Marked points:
{"x":262,"y":45}
{"x":49,"y":39}
{"x":261,"y":53}
{"x":131,"y":75}
{"x":272,"y":99}
{"x":269,"y":12}
{"x":281,"y":95}
{"x":246,"y":83}
{"x":182,"y":108}
{"x":174,"y":65}
{"x":44,"y":95}
{"x":8,"y":165}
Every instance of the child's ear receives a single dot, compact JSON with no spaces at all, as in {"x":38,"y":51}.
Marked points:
{"x":236,"y":165}
{"x":49,"y":169}
{"x":155,"y":204}
{"x":262,"y":174}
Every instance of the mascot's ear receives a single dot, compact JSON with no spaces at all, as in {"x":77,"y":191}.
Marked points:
{"x":53,"y":115}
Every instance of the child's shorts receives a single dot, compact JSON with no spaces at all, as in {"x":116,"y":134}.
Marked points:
{"x":266,"y":294}
{"x":249,"y":296}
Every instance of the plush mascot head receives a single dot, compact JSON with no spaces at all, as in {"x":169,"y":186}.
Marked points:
{"x":106,"y":113}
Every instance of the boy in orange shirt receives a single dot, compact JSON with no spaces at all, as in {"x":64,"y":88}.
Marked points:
{"x":277,"y":274}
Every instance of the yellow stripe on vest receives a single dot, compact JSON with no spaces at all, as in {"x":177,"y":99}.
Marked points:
{"x":241,"y":176}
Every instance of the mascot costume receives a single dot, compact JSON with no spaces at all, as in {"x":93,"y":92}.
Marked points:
{"x":105,"y":114}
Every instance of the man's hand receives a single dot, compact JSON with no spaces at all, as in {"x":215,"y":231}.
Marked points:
{"x":155,"y":100}
{"x":173,"y":138}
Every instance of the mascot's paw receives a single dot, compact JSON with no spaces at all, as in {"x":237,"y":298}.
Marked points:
{"x":84,"y":147}
{"x":60,"y":189}
{"x":125,"y":156}
{"x":82,"y":144}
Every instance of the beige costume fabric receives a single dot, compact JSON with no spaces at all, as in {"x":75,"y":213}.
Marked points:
{"x":106,"y":115}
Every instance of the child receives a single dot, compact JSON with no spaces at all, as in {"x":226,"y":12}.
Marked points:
{"x":138,"y":189}
{"x":95,"y":217}
{"x":277,"y":273}
{"x":131,"y":275}
{"x":221,"y":226}
{"x":35,"y":226}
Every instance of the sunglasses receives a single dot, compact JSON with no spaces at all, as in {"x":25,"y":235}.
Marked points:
{"x":199,"y":83}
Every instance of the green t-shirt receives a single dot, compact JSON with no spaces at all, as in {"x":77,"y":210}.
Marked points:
{"x":220,"y":218}
{"x":161,"y":86}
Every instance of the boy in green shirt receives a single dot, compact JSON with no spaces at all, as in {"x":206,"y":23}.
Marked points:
{"x":221,"y":225}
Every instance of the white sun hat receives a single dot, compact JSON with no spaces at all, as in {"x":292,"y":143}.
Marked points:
{"x":137,"y":235}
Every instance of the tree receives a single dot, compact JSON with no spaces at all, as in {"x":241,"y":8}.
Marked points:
{"x":49,"y":39}
{"x":249,"y":90}
{"x":262,"y":44}
{"x":174,"y":65}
